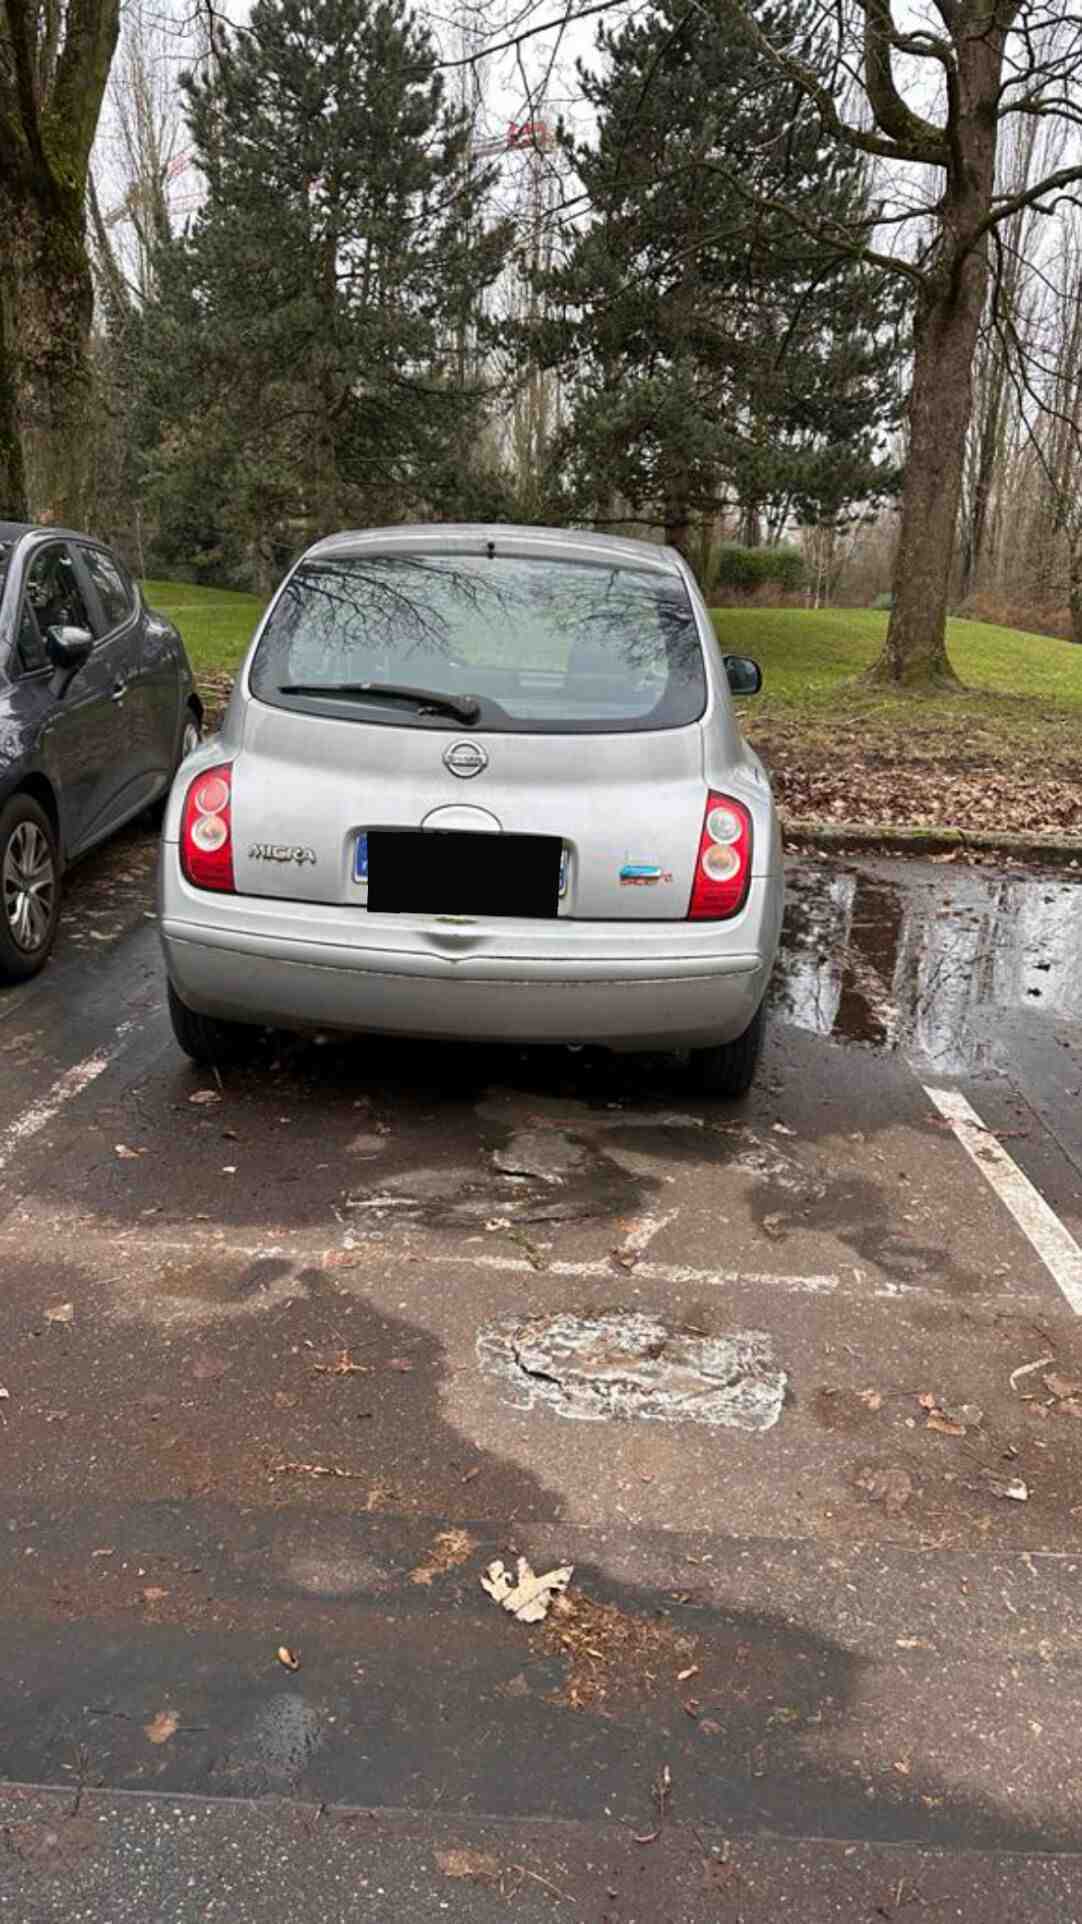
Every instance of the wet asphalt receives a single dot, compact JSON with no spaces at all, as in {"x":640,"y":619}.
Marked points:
{"x":291,"y":1354}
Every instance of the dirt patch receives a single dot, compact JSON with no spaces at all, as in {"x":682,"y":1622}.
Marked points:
{"x":611,"y":1653}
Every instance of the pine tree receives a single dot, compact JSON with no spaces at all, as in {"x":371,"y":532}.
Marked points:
{"x":720,"y":357}
{"x":306,"y":327}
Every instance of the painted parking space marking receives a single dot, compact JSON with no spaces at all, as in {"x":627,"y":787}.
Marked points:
{"x":64,"y":1090}
{"x":1040,"y":1225}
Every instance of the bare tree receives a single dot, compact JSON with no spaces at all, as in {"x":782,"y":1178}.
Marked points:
{"x":927,"y":92}
{"x":54,"y":65}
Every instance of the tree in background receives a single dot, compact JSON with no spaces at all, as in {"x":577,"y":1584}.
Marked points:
{"x":54,"y":64}
{"x":307,"y":332}
{"x":928,"y":95}
{"x":717,"y":357}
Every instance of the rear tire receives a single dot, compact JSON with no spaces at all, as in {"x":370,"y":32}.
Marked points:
{"x":29,"y":888}
{"x":728,"y":1070}
{"x":207,"y":1040}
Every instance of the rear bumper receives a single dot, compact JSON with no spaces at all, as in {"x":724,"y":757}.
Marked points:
{"x":627,"y":986}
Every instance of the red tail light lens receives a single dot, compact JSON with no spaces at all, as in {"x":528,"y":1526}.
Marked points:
{"x":723,"y":865}
{"x":206,"y":831}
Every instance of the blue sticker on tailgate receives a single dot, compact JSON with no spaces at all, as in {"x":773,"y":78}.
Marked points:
{"x":360,"y":859}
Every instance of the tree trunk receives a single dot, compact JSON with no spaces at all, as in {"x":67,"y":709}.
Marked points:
{"x":1074,"y":588}
{"x":13,"y":505}
{"x":51,"y":273}
{"x":915,"y":651}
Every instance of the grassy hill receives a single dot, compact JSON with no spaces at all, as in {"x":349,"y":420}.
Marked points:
{"x":805,"y":653}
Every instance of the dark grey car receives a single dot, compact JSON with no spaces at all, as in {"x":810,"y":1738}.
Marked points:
{"x":97,"y":710}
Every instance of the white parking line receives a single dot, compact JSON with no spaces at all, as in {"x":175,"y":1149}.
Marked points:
{"x":1055,"y":1246}
{"x":70,"y":1084}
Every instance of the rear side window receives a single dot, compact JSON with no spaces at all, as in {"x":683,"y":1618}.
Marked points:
{"x":114,"y":591}
{"x":29,"y":646}
{"x":542,"y":646}
{"x":53,"y":591}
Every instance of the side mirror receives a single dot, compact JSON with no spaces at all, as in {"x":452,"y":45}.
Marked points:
{"x":745,"y":675}
{"x":69,"y":649}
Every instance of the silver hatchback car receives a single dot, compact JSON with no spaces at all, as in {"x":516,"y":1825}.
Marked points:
{"x":479,"y":783}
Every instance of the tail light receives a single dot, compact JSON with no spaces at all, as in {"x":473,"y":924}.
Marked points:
{"x":206,"y":831}
{"x":723,"y":865}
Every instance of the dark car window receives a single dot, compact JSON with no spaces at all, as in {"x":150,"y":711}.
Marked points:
{"x":29,"y":646}
{"x":53,"y":591}
{"x":114,"y":591}
{"x":544,"y":645}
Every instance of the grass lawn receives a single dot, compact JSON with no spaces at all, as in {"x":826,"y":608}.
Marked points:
{"x":1004,"y":753}
{"x":216,"y":623}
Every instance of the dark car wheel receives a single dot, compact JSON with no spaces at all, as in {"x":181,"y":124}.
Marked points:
{"x":729,"y":1069}
{"x":29,"y":888}
{"x":207,"y":1040}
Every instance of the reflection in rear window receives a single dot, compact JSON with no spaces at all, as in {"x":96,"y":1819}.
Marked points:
{"x":541,"y":644}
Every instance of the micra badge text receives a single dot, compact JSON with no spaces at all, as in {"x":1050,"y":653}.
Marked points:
{"x":280,"y":852}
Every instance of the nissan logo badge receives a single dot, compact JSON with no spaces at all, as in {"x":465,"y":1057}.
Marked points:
{"x":465,"y":758}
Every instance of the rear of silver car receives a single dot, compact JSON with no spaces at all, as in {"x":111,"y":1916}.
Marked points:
{"x":469,"y":777}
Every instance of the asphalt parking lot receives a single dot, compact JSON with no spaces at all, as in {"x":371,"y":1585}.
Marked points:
{"x":291,"y":1354}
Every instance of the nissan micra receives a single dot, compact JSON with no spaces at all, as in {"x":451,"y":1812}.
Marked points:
{"x":479,"y":783}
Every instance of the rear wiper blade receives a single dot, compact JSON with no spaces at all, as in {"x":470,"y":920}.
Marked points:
{"x":464,"y":708}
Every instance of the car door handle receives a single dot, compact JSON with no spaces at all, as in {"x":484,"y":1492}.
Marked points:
{"x":120,"y":689}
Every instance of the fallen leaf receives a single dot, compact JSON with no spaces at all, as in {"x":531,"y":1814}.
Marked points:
{"x":451,"y":1548}
{"x":709,"y":1728}
{"x":343,"y":1365}
{"x":128,"y":1155}
{"x":315,"y":1469}
{"x":153,"y":1594}
{"x":288,"y":1657}
{"x":969,"y":1414}
{"x":927,"y":1401}
{"x":528,"y":1599}
{"x":454,"y":1863}
{"x":871,"y":1399}
{"x":61,"y":1313}
{"x":1013,"y":1487}
{"x":202,"y":1096}
{"x":161,"y":1727}
{"x":937,"y":1421}
{"x":1062,"y":1386}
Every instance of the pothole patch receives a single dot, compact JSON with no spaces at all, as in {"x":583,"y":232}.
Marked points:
{"x":623,"y":1364}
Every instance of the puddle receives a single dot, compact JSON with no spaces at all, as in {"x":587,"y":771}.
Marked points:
{"x":931,"y":967}
{"x":630,"y":1364}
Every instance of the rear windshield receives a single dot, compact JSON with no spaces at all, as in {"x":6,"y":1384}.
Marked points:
{"x":537,"y":645}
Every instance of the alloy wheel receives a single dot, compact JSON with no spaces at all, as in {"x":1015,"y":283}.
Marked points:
{"x":28,"y":884}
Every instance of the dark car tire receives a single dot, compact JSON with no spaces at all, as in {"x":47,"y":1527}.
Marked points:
{"x":190,"y":737}
{"x":29,"y":912}
{"x":729,"y":1069}
{"x":207,"y":1040}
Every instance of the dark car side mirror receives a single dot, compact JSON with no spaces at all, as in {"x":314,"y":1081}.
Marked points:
{"x":745,"y":675}
{"x":69,"y":649}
